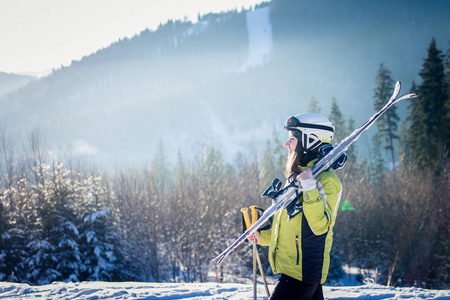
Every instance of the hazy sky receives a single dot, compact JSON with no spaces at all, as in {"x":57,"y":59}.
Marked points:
{"x":38,"y":35}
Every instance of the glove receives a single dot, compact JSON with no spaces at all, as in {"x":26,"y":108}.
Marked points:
{"x":293,"y":206}
{"x":339,"y":163}
{"x":273,"y":190}
{"x":294,"y":209}
{"x":266,"y":225}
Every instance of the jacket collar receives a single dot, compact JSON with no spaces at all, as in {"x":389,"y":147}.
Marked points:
{"x":309,"y":165}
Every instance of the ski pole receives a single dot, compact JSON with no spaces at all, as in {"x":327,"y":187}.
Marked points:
{"x":254,"y":260}
{"x":247,"y":224}
{"x":255,"y":251}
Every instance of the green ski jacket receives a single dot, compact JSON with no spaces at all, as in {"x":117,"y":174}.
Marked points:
{"x":300,"y":248}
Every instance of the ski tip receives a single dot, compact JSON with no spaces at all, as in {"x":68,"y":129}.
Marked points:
{"x":407,"y":96}
{"x":396,"y":91}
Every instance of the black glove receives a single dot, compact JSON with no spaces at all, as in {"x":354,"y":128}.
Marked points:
{"x":294,"y":209}
{"x":273,"y":190}
{"x":339,"y":163}
{"x":291,"y":191}
{"x":266,"y":225}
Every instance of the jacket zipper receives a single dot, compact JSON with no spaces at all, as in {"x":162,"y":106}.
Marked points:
{"x":298,"y":253}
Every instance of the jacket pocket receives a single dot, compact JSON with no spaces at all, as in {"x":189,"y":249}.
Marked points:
{"x":298,"y":252}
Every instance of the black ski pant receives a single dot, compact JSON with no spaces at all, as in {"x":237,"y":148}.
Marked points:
{"x":288,"y":288}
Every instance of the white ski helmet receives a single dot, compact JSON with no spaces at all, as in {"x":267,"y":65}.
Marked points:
{"x":315,"y":129}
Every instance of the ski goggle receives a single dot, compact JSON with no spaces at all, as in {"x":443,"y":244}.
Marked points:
{"x":294,"y":123}
{"x":291,"y":122}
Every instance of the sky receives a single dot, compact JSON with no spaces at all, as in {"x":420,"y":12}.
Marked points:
{"x":40,"y":35}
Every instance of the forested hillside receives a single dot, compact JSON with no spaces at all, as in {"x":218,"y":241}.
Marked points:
{"x":11,"y":82}
{"x":218,"y":75}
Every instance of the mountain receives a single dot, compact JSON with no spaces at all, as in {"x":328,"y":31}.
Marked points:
{"x":228,"y":79}
{"x":11,"y":82}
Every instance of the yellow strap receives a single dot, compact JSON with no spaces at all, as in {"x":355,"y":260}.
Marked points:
{"x":246,"y":216}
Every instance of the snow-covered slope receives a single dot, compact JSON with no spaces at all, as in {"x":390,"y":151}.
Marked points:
{"x":196,"y":291}
{"x":259,"y":29}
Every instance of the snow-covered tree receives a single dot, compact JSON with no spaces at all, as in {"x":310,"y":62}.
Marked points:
{"x":101,"y":249}
{"x":55,"y":242}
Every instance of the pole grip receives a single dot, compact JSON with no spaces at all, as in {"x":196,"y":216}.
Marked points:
{"x":254,"y":213}
{"x":246,"y":217}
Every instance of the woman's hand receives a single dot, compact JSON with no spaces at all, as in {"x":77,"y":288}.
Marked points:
{"x":307,"y":180}
{"x":305,"y":174}
{"x":255,"y":236}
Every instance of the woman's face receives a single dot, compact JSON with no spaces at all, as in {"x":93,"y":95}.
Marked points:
{"x":291,"y":143}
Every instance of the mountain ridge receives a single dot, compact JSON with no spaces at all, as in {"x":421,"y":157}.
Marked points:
{"x":189,"y":81}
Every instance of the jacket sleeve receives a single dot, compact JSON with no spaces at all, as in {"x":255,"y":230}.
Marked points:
{"x":266,"y":235}
{"x":320,"y":204}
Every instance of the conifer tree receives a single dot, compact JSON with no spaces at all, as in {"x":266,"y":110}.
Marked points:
{"x":428,"y":131}
{"x":3,"y":242}
{"x":279,"y":153}
{"x":54,"y":242}
{"x":272,"y":161}
{"x":159,"y":166}
{"x":314,"y":106}
{"x":21,"y":221}
{"x":42,"y":265}
{"x":387,"y":125}
{"x":377,"y":169}
{"x":11,"y":237}
{"x":351,"y":151}
{"x":267,"y":164}
{"x":412,"y":125}
{"x":101,"y":249}
{"x":447,"y":102}
{"x":62,"y":224}
{"x":403,"y":150}
{"x":337,"y":118}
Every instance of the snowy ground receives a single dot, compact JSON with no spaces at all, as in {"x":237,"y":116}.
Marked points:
{"x":204,"y":291}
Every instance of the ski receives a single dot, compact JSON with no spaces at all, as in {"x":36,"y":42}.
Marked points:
{"x":293,"y":191}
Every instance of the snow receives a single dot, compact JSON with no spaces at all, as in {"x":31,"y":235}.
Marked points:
{"x":260,"y":44}
{"x":140,"y":290}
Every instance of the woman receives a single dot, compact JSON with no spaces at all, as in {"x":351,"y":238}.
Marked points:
{"x":300,"y":243}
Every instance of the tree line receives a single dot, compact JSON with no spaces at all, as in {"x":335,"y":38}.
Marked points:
{"x":166,"y":221}
{"x":401,"y":193}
